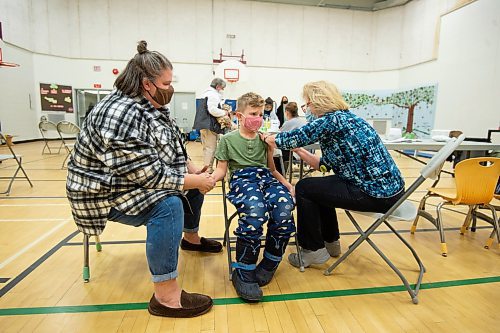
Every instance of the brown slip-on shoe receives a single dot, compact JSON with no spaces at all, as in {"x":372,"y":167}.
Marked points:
{"x":207,"y":245}
{"x":193,"y":305}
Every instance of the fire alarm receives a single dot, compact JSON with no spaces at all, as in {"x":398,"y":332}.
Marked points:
{"x":115,"y":71}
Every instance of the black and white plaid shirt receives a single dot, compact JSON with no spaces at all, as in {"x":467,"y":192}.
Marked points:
{"x":128,"y":155}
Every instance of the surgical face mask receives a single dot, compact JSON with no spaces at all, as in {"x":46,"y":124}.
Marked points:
{"x":162,"y":96}
{"x":310,"y":116}
{"x":252,"y":123}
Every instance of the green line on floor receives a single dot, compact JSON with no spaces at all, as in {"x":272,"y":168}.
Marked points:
{"x":236,"y":300}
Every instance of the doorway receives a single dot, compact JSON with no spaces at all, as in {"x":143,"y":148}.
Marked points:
{"x":86,"y":99}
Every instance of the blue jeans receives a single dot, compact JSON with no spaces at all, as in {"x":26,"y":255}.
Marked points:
{"x":164,"y":223}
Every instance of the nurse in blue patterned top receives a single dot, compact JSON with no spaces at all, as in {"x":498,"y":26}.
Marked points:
{"x":365,"y":176}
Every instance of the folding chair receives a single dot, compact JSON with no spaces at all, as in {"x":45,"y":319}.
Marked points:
{"x":86,"y":265}
{"x":68,"y":128}
{"x":476,"y":179}
{"x":401,"y":210}
{"x":19,"y":161}
{"x":46,"y":126}
{"x":227,"y":239}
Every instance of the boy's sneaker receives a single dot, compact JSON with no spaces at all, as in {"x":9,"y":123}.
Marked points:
{"x":263,"y":275}
{"x":249,"y":291}
{"x":333,"y":248}
{"x":309,"y":257}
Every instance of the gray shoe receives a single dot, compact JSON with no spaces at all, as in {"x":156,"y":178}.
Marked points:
{"x":249,"y":291}
{"x":333,"y":248}
{"x":309,"y":257}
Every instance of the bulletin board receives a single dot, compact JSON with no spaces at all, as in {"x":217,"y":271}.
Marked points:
{"x":55,"y":97}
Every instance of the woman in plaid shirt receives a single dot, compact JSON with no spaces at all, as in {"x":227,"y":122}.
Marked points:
{"x":366,"y":177}
{"x":129,"y":165}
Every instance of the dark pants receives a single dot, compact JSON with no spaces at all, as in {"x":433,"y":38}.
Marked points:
{"x":317,"y":198}
{"x":192,"y":221}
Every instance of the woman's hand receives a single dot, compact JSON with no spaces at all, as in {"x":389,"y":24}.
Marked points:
{"x":268,"y":139}
{"x":206,"y":182}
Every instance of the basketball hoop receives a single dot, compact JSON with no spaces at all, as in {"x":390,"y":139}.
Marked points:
{"x":6,"y":64}
{"x":231,"y":75}
{"x":232,"y":71}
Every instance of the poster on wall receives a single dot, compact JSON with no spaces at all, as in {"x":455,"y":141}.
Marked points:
{"x":56,"y":97}
{"x":413,"y":110}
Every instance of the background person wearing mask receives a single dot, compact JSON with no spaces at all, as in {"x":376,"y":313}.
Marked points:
{"x":280,"y":112}
{"x":129,"y":165}
{"x":202,"y":121}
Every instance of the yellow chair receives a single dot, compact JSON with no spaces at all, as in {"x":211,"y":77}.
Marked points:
{"x":475,"y":179}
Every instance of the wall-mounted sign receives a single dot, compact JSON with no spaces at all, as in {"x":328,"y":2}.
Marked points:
{"x":55,"y":97}
{"x":97,"y":86}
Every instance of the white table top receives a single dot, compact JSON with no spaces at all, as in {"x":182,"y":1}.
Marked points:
{"x":431,"y":145}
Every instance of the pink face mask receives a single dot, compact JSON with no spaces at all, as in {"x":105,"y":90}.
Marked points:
{"x":252,"y":123}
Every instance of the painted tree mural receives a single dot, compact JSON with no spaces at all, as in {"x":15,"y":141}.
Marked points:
{"x":357,"y":100}
{"x":409,"y":99}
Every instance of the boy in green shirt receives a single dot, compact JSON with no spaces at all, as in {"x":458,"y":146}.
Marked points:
{"x":260,"y":194}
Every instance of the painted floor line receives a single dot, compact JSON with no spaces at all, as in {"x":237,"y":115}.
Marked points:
{"x":5,"y":289}
{"x":35,"y":220}
{"x":35,"y":242}
{"x":34,"y":205}
{"x":237,"y":300}
{"x":347,"y":233}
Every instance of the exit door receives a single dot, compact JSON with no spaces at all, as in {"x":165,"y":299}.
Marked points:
{"x":183,"y":109}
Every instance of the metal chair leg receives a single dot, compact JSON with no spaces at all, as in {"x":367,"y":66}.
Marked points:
{"x":421,"y":207}
{"x":489,"y":242}
{"x":86,"y":268}
{"x":98,"y":245}
{"x":444,"y":249}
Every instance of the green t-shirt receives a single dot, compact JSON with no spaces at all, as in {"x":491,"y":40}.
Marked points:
{"x":240,"y":152}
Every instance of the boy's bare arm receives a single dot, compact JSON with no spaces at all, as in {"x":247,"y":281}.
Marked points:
{"x":275,"y":173}
{"x":221,"y":170}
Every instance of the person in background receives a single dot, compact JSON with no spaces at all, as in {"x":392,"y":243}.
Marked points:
{"x":269,"y":112}
{"x":129,"y":165}
{"x":260,"y":194}
{"x":292,"y":122}
{"x":366,"y":177}
{"x":280,"y":112}
{"x":202,"y":122}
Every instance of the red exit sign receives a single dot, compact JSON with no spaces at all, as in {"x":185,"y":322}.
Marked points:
{"x":97,"y":85}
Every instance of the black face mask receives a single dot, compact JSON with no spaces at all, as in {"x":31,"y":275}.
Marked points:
{"x":162,"y":96}
{"x":285,"y":101}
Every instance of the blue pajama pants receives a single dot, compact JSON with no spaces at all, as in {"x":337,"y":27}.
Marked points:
{"x":260,"y":198}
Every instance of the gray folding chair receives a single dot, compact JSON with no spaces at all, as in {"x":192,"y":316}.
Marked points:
{"x":227,"y":239}
{"x":45,"y":128}
{"x":67,"y":128}
{"x":19,"y":161}
{"x":401,"y":210}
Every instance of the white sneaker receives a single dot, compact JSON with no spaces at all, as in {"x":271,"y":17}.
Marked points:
{"x":333,"y":248}
{"x":309,"y":257}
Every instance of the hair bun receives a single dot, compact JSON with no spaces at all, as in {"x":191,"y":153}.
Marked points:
{"x":142,"y":47}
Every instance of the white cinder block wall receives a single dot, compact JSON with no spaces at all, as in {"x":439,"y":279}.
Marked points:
{"x":59,"y":41}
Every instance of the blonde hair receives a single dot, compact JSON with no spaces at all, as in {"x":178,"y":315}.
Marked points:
{"x":324,"y":96}
{"x":249,"y":99}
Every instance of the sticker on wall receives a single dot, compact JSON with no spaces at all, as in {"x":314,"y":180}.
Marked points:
{"x":55,"y":97}
{"x":412,"y":110}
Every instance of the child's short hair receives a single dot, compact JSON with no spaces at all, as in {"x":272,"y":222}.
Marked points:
{"x":293,"y":109}
{"x":249,"y":99}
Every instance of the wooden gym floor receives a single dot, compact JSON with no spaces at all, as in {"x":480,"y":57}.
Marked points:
{"x":41,"y":287}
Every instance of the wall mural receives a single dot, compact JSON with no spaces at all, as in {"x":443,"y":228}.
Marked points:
{"x":412,"y":110}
